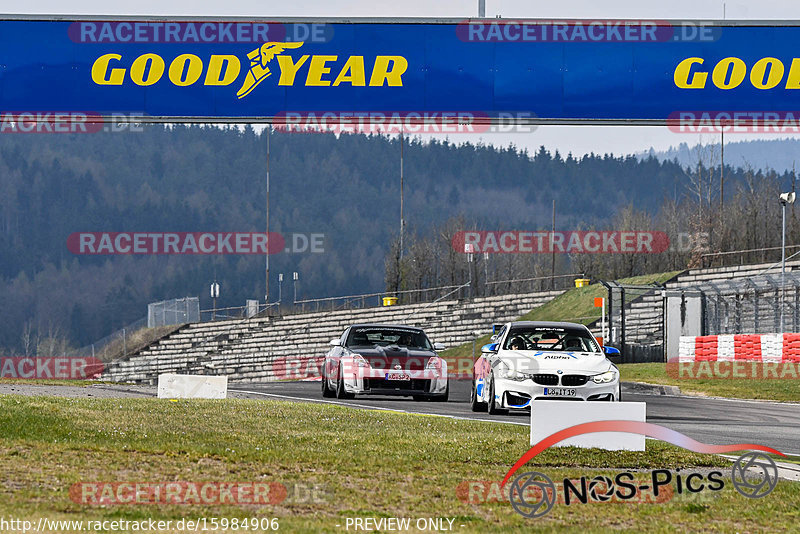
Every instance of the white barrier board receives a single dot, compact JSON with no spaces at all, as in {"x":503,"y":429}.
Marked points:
{"x":548,"y":417}
{"x":172,"y":386}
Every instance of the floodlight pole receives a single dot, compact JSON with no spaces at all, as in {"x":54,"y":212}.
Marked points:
{"x":786,"y":198}
{"x":722,"y":173}
{"x":783,"y":259}
{"x":481,"y":8}
{"x":486,"y":274}
{"x":266,"y":281}
{"x":402,"y":221}
{"x":553,"y":250}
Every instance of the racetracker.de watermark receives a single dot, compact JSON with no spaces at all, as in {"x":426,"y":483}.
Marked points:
{"x":585,"y":31}
{"x":193,"y":243}
{"x":128,"y":31}
{"x":193,"y":493}
{"x":409,"y":122}
{"x":55,"y":368}
{"x":740,"y":369}
{"x":72,"y":122}
{"x":571,"y":242}
{"x":734,"y":122}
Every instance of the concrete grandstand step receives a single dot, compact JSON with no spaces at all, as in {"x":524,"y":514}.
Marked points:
{"x":246,"y":349}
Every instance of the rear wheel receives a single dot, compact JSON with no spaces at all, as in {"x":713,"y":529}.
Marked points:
{"x":340,"y":391}
{"x":493,"y":408}
{"x":327,"y":392}
{"x":475,"y":404}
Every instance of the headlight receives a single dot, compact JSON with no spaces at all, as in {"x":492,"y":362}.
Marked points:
{"x":434,"y":363}
{"x":507,"y":373}
{"x":360,"y":360}
{"x":603,"y":378}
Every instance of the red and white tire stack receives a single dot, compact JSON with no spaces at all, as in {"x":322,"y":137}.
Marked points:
{"x":740,"y":347}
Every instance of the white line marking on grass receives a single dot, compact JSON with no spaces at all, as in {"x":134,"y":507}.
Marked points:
{"x":368,"y":407}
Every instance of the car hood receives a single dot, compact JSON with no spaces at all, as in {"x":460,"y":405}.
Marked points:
{"x":391,"y":356}
{"x":542,"y":361}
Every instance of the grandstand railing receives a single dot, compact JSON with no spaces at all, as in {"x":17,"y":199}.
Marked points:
{"x":405,"y":296}
{"x":731,"y":258}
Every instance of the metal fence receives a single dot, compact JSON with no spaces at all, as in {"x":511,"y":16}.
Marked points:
{"x":251,"y":309}
{"x":753,"y":305}
{"x":175,"y":311}
{"x":635,"y":314}
{"x":117,"y":344}
{"x":744,"y":257}
{"x":431,"y":294}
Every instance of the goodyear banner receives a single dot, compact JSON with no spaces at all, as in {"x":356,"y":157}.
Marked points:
{"x":559,"y":70}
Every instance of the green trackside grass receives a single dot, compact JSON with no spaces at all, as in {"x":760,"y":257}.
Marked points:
{"x":51,"y":382}
{"x":787,"y":390}
{"x":369,"y":463}
{"x":788,"y":459}
{"x":575,"y":306}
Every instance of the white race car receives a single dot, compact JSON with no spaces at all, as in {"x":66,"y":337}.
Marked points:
{"x":530,"y":360}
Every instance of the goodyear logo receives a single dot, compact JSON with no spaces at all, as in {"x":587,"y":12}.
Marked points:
{"x":732,"y":72}
{"x":224,"y":69}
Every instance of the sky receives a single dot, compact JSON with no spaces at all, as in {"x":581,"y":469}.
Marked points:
{"x":575,"y":139}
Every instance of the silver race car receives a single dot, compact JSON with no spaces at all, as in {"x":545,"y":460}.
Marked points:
{"x":374,"y":359}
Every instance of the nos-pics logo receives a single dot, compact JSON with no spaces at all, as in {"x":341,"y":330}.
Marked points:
{"x":533,"y":494}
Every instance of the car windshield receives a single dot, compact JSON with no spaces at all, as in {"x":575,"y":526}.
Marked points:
{"x":549,"y":338}
{"x":369,"y":336}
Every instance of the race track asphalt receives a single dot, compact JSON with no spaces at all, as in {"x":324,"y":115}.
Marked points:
{"x":708,"y":420}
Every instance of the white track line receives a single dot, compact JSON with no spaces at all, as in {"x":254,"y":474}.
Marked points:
{"x":368,"y":407}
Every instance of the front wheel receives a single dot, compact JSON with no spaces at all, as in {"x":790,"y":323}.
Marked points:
{"x":492,"y":408}
{"x":474,"y":404}
{"x":327,"y":392}
{"x":341,"y":393}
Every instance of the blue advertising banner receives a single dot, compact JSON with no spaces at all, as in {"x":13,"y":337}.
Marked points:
{"x":568,"y":71}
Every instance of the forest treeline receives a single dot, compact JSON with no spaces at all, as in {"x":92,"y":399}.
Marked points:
{"x":201,"y":178}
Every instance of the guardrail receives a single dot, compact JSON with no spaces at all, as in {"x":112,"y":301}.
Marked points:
{"x":707,"y":260}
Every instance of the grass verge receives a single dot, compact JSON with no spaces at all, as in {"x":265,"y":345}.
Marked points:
{"x":368,"y":464}
{"x":786,"y":390}
{"x":51,"y":382}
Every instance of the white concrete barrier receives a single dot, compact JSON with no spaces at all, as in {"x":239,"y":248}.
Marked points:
{"x":549,"y":417}
{"x":172,"y":386}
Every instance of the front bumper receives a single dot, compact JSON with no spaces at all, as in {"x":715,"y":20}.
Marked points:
{"x":519,"y":393}
{"x":366,"y":381}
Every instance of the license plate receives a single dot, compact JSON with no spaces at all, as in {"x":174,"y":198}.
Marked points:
{"x":397,"y":376}
{"x":560,"y":392}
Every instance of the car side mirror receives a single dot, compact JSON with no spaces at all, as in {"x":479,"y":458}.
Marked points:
{"x":334,"y":343}
{"x":491,"y":347}
{"x":610,"y":351}
{"x":439,"y":346}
